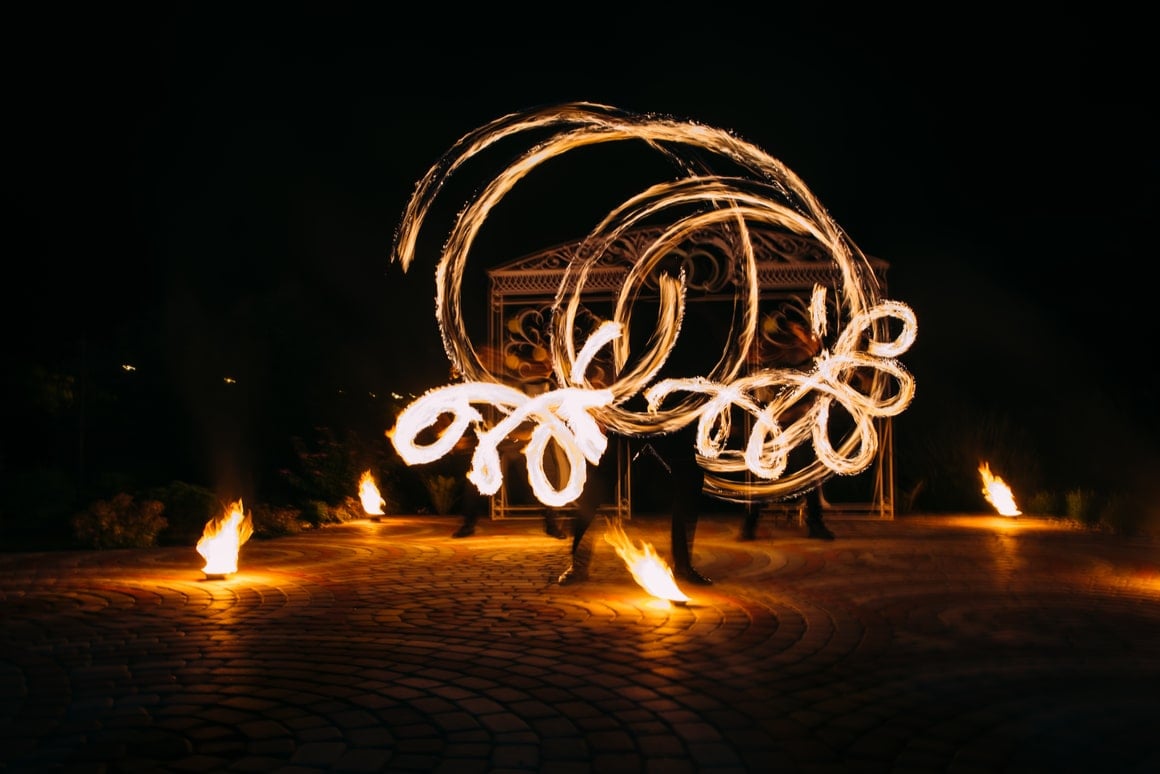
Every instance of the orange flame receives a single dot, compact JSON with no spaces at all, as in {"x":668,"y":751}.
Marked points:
{"x":222,"y":538}
{"x":998,"y":493}
{"x":368,"y":492}
{"x":647,"y":568}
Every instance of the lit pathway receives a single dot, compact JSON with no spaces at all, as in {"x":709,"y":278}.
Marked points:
{"x":950,"y":644}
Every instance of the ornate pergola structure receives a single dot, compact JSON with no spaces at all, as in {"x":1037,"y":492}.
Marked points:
{"x":522,"y":292}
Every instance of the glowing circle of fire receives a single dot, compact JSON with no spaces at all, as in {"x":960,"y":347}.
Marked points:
{"x":997,"y":492}
{"x":222,"y":539}
{"x":786,"y":407}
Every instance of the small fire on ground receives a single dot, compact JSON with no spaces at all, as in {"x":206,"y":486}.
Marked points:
{"x":368,"y":492}
{"x":648,"y":569}
{"x":222,"y":539}
{"x":997,"y":492}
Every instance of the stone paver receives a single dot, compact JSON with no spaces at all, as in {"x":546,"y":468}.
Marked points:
{"x":927,"y":643}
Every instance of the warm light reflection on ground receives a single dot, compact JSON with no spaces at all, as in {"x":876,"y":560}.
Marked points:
{"x":1006,"y":523}
{"x":1016,"y":645}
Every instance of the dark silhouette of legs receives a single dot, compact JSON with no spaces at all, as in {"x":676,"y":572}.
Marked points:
{"x":815,"y":525}
{"x":749,"y":526}
{"x":473,"y":505}
{"x":596,"y":489}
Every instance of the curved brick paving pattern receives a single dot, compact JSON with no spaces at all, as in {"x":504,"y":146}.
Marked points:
{"x":949,"y":644}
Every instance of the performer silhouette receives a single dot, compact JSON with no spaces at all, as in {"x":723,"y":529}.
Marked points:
{"x":677,"y":452}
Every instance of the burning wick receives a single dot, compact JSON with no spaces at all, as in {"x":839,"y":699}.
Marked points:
{"x":221,"y":540}
{"x":647,"y":568}
{"x":368,"y":492}
{"x":998,"y":493}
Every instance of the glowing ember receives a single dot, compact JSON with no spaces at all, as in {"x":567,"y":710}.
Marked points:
{"x":648,"y":570}
{"x":222,"y":538}
{"x":998,"y":493}
{"x":368,"y":492}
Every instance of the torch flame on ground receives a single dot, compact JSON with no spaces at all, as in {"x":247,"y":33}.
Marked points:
{"x":368,"y":492}
{"x":997,"y":492}
{"x":222,"y":538}
{"x":649,"y":571}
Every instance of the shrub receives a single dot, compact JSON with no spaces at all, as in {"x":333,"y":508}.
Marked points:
{"x":119,"y":523}
{"x":315,"y":513}
{"x":938,"y":458}
{"x":342,"y":512}
{"x":272,"y":521}
{"x":1044,"y":503}
{"x":326,"y":468}
{"x":188,"y":508}
{"x":1082,"y":507}
{"x":318,"y":513}
{"x":1124,"y":514}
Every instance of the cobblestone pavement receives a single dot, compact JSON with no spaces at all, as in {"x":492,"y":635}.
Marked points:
{"x":922,"y":644}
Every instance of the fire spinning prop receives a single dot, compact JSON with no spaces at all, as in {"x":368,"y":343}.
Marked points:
{"x":858,"y":373}
{"x":997,"y":492}
{"x":368,"y":493}
{"x":759,"y":189}
{"x":221,"y":540}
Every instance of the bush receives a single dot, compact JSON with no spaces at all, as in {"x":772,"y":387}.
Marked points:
{"x":1124,"y":514}
{"x":120,"y":523}
{"x":317,"y":513}
{"x":188,"y":508}
{"x":1044,"y":503}
{"x":1082,"y":507}
{"x":938,"y":458}
{"x":326,"y":469}
{"x":272,"y":521}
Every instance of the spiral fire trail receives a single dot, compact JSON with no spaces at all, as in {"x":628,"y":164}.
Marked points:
{"x":783,"y":408}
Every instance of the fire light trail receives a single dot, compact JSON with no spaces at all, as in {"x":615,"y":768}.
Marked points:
{"x":997,"y":492}
{"x":758,"y":190}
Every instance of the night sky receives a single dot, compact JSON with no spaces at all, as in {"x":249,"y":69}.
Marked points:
{"x":206,"y":194}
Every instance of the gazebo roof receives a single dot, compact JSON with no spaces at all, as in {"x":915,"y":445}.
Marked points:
{"x":785,"y":262}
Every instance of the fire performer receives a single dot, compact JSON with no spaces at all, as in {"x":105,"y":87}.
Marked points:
{"x":474,"y":504}
{"x":677,"y":454}
{"x":787,"y":341}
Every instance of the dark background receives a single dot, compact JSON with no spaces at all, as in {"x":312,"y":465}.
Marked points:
{"x":207,"y":194}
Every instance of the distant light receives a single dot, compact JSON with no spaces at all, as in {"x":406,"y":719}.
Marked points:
{"x":128,"y":367}
{"x":372,"y":395}
{"x":230,"y":380}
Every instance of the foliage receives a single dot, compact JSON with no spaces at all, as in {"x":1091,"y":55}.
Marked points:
{"x":1123,"y":514}
{"x":315,"y":513}
{"x":939,"y":459}
{"x":1044,"y":503}
{"x":188,"y":508}
{"x":319,"y":513}
{"x":275,"y":521}
{"x":120,"y":522}
{"x":1082,"y":506}
{"x":328,"y":469}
